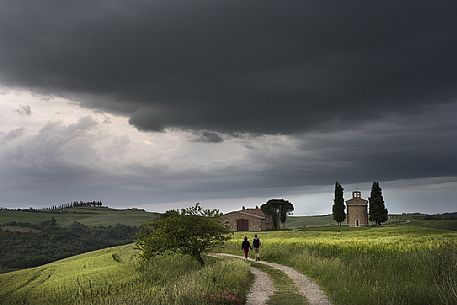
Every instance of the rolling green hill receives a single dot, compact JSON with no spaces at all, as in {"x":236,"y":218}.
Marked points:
{"x":114,"y":276}
{"x":441,"y":224}
{"x":297,"y":222}
{"x":90,"y":216}
{"x":103,"y":216}
{"x":418,"y":266}
{"x":293,"y":222}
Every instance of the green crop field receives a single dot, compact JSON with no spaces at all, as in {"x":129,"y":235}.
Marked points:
{"x":444,"y":224}
{"x":411,"y":263}
{"x":402,"y":264}
{"x":114,"y":276}
{"x":91,"y":216}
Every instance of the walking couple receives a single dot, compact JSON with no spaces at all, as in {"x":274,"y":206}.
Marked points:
{"x":246,"y":245}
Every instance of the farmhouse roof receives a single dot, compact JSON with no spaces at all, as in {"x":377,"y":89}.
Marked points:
{"x":250,"y":212}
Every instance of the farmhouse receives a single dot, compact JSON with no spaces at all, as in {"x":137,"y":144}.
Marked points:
{"x":357,"y":210}
{"x":248,"y":220}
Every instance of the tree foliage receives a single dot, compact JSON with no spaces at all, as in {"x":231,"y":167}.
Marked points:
{"x":278,"y":209}
{"x":338,"y":204}
{"x":378,"y":212}
{"x":191,"y":231}
{"x":286,"y":208}
{"x":47,"y":242}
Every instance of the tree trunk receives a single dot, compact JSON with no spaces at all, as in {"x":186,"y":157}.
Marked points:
{"x":200,"y":259}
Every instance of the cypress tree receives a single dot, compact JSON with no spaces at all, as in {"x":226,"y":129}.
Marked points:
{"x":378,"y":212}
{"x":338,"y":204}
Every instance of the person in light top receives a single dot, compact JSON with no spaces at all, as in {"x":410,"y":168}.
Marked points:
{"x":256,"y":246}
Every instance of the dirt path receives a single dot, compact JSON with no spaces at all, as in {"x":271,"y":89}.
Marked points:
{"x":261,"y":289}
{"x":305,"y":286}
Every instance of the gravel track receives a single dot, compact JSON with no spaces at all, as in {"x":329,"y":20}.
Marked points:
{"x":261,"y":289}
{"x":305,"y":286}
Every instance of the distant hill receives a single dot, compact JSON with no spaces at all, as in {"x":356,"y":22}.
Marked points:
{"x":90,"y":216}
{"x":293,"y":222}
{"x":60,"y":280}
{"x":103,"y":216}
{"x":446,"y":221}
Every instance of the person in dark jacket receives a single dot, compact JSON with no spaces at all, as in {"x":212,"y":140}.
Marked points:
{"x":256,"y":246}
{"x":246,"y":245}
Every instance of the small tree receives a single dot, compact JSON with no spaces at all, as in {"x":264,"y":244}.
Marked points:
{"x":378,"y":212}
{"x":338,"y":204}
{"x":191,"y":231}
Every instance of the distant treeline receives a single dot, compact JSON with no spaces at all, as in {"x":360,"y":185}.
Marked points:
{"x":75,"y":204}
{"x":48,"y":242}
{"x":441,"y":216}
{"x":63,"y":206}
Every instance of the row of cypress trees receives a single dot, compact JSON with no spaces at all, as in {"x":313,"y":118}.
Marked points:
{"x":377,"y":210}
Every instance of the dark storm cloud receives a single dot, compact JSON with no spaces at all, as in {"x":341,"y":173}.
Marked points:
{"x":425,"y":145}
{"x":367,"y":91}
{"x":235,"y":66}
{"x":207,"y":137}
{"x":24,"y":110}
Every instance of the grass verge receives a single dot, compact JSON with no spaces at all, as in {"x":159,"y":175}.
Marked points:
{"x":373,"y":266}
{"x":113,"y":276}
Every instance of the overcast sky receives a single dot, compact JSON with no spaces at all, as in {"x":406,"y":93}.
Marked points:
{"x":161,"y":104}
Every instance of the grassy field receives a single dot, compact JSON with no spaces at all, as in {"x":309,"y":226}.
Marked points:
{"x":414,"y":263}
{"x":294,"y":222}
{"x":299,"y":222}
{"x":18,"y":229}
{"x":444,"y":224}
{"x":91,"y":216}
{"x":395,"y":265}
{"x":96,"y":216}
{"x":113,"y":276}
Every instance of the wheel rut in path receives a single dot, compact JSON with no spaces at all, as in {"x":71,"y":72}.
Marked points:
{"x":305,"y":286}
